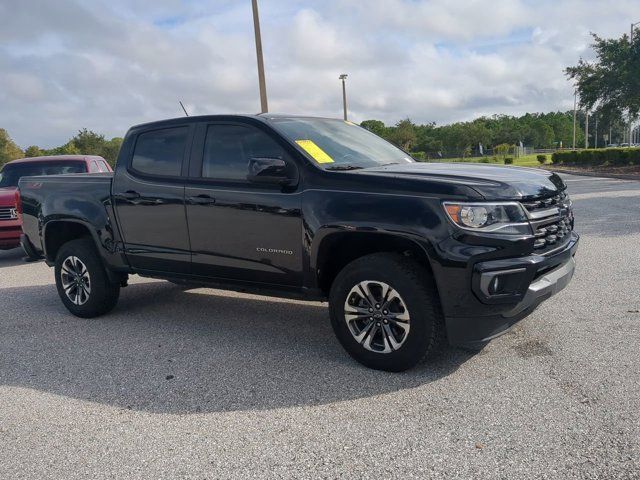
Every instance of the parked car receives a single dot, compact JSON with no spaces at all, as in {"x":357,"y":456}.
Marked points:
{"x":10,"y":224}
{"x":408,"y":254}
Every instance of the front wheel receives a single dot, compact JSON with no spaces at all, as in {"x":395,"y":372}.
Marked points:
{"x":385,"y":311}
{"x":83,"y":284}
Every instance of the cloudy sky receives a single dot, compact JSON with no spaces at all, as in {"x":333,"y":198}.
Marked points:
{"x":109,"y":64}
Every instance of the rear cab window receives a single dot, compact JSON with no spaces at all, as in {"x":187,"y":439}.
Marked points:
{"x":12,"y":173}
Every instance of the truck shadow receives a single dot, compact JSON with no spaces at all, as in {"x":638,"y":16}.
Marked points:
{"x":169,"y":350}
{"x":11,"y":258}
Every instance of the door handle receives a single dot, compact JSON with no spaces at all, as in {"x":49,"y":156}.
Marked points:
{"x":202,"y":200}
{"x":129,"y":195}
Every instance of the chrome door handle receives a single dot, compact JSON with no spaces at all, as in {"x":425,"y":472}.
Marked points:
{"x":202,"y":200}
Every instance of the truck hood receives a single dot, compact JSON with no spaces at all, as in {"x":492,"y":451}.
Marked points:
{"x":7,"y":197}
{"x":493,"y":182}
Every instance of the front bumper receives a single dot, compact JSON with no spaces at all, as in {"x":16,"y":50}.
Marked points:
{"x":10,"y":235}
{"x":537,"y":279}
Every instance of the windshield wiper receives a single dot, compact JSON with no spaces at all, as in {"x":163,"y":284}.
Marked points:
{"x":343,"y":167}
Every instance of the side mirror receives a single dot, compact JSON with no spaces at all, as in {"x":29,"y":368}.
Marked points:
{"x":269,"y":170}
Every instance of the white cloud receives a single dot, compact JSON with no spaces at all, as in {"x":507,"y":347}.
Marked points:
{"x":108,"y":64}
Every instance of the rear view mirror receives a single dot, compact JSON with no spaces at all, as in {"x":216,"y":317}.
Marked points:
{"x":269,"y":170}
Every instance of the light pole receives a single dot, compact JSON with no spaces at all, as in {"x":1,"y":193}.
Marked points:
{"x":575,"y":105}
{"x":343,"y":77}
{"x":586,"y":129}
{"x":633,"y":25}
{"x":261,"y":79}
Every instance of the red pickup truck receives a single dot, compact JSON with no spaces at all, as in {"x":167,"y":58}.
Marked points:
{"x":10,"y":224}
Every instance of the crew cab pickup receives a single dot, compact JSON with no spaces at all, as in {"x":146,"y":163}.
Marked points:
{"x":409,"y":255}
{"x":12,"y":172}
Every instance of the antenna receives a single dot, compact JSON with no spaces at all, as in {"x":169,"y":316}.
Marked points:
{"x":183,"y":109}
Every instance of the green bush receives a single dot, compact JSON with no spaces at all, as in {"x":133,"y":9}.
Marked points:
{"x":631,"y":156}
{"x":598,"y":157}
{"x":592,"y":157}
{"x":542,"y":159}
{"x":419,"y":156}
{"x":502,"y":149}
{"x":508,"y":161}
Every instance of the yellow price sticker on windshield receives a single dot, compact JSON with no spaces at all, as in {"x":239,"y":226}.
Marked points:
{"x":315,"y":151}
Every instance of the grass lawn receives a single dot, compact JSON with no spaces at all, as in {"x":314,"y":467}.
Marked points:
{"x":524,"y":161}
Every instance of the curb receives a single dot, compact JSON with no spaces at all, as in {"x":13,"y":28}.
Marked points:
{"x":618,"y":176}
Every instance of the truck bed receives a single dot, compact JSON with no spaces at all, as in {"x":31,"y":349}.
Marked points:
{"x":82,"y":198}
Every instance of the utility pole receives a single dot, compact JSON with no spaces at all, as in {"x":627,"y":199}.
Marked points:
{"x":596,"y":134}
{"x":575,"y":105}
{"x":630,"y":60}
{"x":343,"y":77}
{"x":586,"y":129}
{"x":261,"y":79}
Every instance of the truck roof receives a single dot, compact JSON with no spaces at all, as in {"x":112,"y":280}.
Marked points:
{"x":263,"y":117}
{"x":56,"y":158}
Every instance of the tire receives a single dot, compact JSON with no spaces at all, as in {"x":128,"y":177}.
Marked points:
{"x":96,"y":295}
{"x":396,"y":344}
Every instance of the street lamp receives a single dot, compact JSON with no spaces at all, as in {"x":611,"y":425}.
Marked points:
{"x":633,"y":25}
{"x":261,"y":79}
{"x":575,"y":112}
{"x":586,"y":129}
{"x":343,"y":77}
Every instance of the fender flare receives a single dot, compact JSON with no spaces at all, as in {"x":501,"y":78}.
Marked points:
{"x":325,"y":233}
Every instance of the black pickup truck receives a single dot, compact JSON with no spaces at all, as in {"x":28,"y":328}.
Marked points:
{"x":410,"y":255}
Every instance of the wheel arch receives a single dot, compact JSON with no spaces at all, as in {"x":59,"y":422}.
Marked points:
{"x":337,"y":248}
{"x":56,"y":233}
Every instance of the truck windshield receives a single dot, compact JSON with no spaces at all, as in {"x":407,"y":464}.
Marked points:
{"x":339,"y":145}
{"x":11,"y":173}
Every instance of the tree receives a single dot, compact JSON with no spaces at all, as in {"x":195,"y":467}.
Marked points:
{"x":502,"y":150}
{"x":111,"y":149}
{"x":403,"y":134}
{"x":375,"y":126}
{"x":539,"y":134}
{"x":68,"y":148}
{"x":33,"y":151}
{"x":8,"y":149}
{"x":612,"y":82}
{"x":88,"y":142}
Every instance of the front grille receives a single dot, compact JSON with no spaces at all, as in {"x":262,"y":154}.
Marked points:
{"x":8,"y":213}
{"x":552,"y":221}
{"x":544,"y":203}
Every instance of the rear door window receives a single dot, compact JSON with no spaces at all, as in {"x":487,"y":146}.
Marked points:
{"x":160,"y":152}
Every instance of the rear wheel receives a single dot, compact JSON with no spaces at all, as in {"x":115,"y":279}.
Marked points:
{"x":83,"y":284}
{"x":385,"y":311}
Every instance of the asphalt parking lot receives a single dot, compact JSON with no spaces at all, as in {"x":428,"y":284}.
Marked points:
{"x":207,"y":384}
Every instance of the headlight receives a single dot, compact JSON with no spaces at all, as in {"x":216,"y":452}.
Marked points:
{"x":505,"y":218}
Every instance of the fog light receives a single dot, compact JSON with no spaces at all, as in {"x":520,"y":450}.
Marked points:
{"x":503,"y":282}
{"x":495,"y":285}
